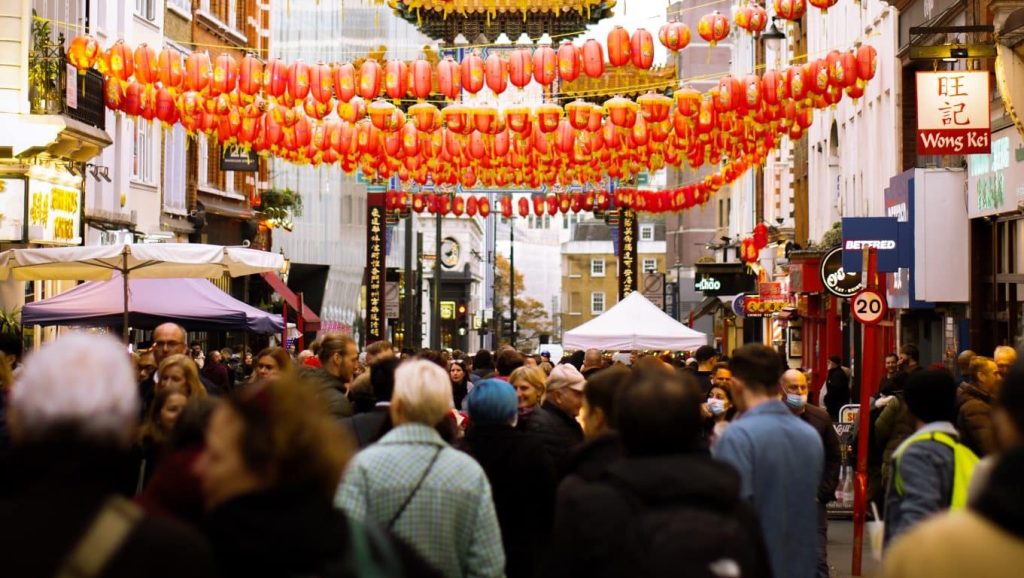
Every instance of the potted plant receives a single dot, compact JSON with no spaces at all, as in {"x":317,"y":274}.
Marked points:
{"x":279,"y":206}
{"x":44,"y":71}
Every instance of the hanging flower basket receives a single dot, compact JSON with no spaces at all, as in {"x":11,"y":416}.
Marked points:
{"x":279,"y":206}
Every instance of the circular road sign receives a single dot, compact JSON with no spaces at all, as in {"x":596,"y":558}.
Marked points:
{"x":868,"y":306}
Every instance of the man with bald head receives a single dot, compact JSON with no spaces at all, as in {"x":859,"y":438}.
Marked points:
{"x":794,"y":391}
{"x":169,"y":339}
{"x":1004,"y":356}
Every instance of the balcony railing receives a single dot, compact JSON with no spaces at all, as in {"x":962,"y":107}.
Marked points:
{"x":48,"y":78}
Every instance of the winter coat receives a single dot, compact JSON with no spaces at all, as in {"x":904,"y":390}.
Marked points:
{"x":985,"y":540}
{"x":588,"y":539}
{"x":893,"y":426}
{"x":286,"y":533}
{"x":838,"y":394}
{"x":52,"y":496}
{"x":330,"y":390}
{"x":822,"y":423}
{"x":588,"y":461}
{"x":370,"y":426}
{"x":556,"y":430}
{"x":926,"y":468}
{"x":523,"y":488}
{"x":974,"y":419}
{"x":174,"y":490}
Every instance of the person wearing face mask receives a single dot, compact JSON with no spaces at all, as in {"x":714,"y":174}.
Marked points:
{"x":719,"y":410}
{"x":794,"y":390}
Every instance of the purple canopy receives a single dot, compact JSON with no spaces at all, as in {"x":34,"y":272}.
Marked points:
{"x":196,"y":304}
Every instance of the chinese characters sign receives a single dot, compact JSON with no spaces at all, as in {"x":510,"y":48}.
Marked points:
{"x":55,"y":214}
{"x":375,"y":281}
{"x":953,"y":113}
{"x":995,"y":182}
{"x":629,"y":231}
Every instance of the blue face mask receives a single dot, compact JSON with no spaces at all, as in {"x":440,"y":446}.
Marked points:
{"x":796,"y":401}
{"x":716,"y":406}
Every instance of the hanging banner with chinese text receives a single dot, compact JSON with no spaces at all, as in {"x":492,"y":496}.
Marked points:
{"x":953,"y":113}
{"x":629,"y":232}
{"x":375,"y":253}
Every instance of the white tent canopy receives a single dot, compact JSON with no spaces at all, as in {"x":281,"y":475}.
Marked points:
{"x":634,"y":324}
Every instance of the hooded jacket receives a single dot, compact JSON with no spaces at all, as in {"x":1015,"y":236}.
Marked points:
{"x":556,"y":430}
{"x":588,"y":537}
{"x":984,"y":540}
{"x":974,"y":419}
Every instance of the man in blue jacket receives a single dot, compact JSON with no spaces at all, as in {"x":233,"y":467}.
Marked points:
{"x":780,"y":460}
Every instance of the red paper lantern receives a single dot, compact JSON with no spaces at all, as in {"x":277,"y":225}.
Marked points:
{"x":321,"y":79}
{"x":225,"y":74}
{"x":675,"y":36}
{"x":593,"y":58}
{"x":197,"y":71}
{"x":345,"y":81}
{"x":83,"y":52}
{"x":424,"y":116}
{"x":867,"y":62}
{"x":483,"y":206}
{"x":569,"y":61}
{"x":369,"y":79}
{"x":131,"y":103}
{"x":621,"y":111}
{"x":548,"y":117}
{"x":353,"y":110}
{"x":545,"y":65}
{"x":790,"y":9}
{"x":551,"y":203}
{"x":449,"y":78}
{"x":113,"y":95}
{"x":396,"y":78}
{"x":459,"y":205}
{"x":797,"y":84}
{"x":654,"y":106}
{"x":856,"y":90}
{"x":760,"y":236}
{"x":496,"y":73}
{"x":120,"y":61}
{"x":713,"y":27}
{"x":171,"y":68}
{"x":250,"y":75}
{"x":524,"y":206}
{"x":506,"y":206}
{"x":823,"y":5}
{"x":619,"y":47}
{"x":520,"y":67}
{"x":472,"y":73}
{"x":147,"y":67}
{"x":275,"y":77}
{"x":752,"y":92}
{"x":641,"y":49}
{"x":422,"y":81}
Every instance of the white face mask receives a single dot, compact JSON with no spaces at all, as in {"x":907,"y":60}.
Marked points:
{"x":716,"y":406}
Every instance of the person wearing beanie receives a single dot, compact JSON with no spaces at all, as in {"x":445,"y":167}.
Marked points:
{"x":837,"y":385}
{"x":521,"y":476}
{"x":931,"y":468}
{"x":554,"y":425}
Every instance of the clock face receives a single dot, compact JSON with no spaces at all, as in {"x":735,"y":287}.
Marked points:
{"x":450,"y":253}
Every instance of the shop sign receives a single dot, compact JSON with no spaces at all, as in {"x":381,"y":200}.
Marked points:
{"x":771,"y":292}
{"x":54,"y":214}
{"x":738,"y":305}
{"x":755,"y":306}
{"x":629,"y":230}
{"x":835,"y":279}
{"x":234,"y":157}
{"x":879,"y":233}
{"x":953,"y":113}
{"x":995,"y":181}
{"x":714,"y":283}
{"x":447,"y":310}
{"x":12,"y":209}
{"x":375,"y":299}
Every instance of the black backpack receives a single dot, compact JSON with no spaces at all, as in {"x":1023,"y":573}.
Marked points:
{"x":692,"y":539}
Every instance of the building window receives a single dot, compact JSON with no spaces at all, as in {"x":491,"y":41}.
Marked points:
{"x":142,"y":149}
{"x":146,"y":9}
{"x":184,"y":6}
{"x":647,"y":232}
{"x":174,"y":168}
{"x":232,"y":15}
{"x":597,"y":302}
{"x":650,"y":265}
{"x":597,"y":267}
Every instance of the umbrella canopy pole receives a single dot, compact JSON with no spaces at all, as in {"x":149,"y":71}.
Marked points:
{"x":124,"y":279}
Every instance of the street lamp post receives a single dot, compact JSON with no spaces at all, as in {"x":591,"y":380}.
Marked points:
{"x":512,"y":279}
{"x":435,"y":293}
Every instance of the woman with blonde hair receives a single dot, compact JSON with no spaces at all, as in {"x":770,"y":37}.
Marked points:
{"x":530,"y":387}
{"x":180,"y":372}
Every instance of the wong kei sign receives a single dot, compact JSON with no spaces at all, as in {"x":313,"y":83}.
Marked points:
{"x":953,"y":113}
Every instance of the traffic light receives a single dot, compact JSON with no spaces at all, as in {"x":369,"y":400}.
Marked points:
{"x":462,"y":317}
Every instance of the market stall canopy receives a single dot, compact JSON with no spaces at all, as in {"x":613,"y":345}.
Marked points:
{"x":143,"y":261}
{"x":634,"y":324}
{"x":148,"y":261}
{"x":196,"y":304}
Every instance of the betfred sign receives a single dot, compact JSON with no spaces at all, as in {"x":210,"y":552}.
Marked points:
{"x":880,"y":233}
{"x":953,"y":113}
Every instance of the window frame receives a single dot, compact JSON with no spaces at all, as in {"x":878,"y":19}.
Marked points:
{"x":645,"y":262}
{"x":145,"y":9}
{"x":142,"y":151}
{"x":175,"y":165}
{"x":604,"y":304}
{"x":593,"y":272}
{"x":648,"y":228}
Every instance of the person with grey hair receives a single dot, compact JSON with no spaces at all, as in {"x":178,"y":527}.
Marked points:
{"x":416,"y":486}
{"x":554,"y":425}
{"x":1004,"y":356}
{"x":60,"y":514}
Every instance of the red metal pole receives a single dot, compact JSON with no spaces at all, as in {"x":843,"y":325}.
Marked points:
{"x":300,"y":323}
{"x":871,"y":370}
{"x":284,"y":332}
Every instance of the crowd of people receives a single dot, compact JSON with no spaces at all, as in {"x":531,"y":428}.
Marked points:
{"x":331,"y":462}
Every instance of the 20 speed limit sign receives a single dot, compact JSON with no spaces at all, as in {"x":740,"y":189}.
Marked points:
{"x":868,"y":306}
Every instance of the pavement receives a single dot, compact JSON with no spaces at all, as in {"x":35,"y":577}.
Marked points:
{"x":840,"y":551}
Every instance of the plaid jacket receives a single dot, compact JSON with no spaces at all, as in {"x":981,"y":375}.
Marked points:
{"x":451,"y":521}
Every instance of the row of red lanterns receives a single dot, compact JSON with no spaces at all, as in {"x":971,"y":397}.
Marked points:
{"x":750,"y":247}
